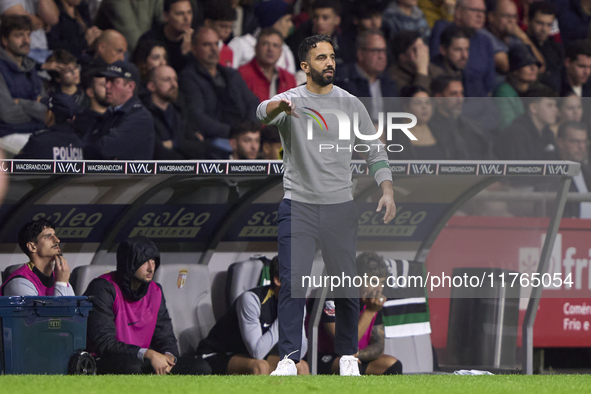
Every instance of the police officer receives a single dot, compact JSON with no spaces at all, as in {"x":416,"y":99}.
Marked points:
{"x":59,"y":141}
{"x":126,"y":131}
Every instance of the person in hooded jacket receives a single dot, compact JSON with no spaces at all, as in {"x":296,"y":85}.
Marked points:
{"x":129,"y":329}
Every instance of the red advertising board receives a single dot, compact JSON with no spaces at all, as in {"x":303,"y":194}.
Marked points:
{"x":564,"y":314}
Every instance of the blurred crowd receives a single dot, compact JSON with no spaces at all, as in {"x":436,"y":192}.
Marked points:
{"x":181,"y":79}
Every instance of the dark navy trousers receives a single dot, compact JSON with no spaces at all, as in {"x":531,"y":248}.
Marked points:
{"x":301,"y":228}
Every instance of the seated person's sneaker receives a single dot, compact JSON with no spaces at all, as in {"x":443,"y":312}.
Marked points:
{"x":349,"y":366}
{"x":285,"y":367}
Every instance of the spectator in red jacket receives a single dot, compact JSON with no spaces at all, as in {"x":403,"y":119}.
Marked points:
{"x":261,"y":74}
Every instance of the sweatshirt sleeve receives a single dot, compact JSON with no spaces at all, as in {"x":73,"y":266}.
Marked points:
{"x":62,"y":289}
{"x":262,"y":111}
{"x":20,"y":286}
{"x":376,"y":157}
{"x":248,"y":309}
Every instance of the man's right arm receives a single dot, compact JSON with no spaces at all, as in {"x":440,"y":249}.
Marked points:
{"x":248,"y":309}
{"x":102,"y":333}
{"x":271,"y":111}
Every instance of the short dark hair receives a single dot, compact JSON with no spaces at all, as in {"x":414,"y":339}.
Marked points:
{"x":404,"y":40}
{"x":540,"y":7}
{"x":362,"y":37}
{"x":453,"y":32}
{"x":372,"y":264}
{"x":143,"y":50}
{"x":439,"y":84}
{"x":334,"y":4}
{"x":274,"y":269}
{"x":220,"y":10}
{"x":30,"y":231}
{"x":88,"y":76}
{"x":60,"y":56}
{"x":410,"y":90}
{"x":168,"y":4}
{"x":367,"y":9}
{"x":141,"y":54}
{"x":311,"y":42}
{"x":9,"y":23}
{"x":246,"y":126}
{"x":576,"y":48}
{"x":570,"y":125}
{"x":536,"y":94}
{"x":269,"y":31}
{"x":270,"y":135}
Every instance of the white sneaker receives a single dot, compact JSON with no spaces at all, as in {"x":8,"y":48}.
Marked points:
{"x":285,"y":367}
{"x":349,"y":366}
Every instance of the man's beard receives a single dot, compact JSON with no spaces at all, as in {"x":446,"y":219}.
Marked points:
{"x":242,"y":154}
{"x":171,"y":95}
{"x":455,"y":67}
{"x":102,"y":101}
{"x":319,"y":78}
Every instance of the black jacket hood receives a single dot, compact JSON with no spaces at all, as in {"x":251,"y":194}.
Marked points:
{"x":131,"y":255}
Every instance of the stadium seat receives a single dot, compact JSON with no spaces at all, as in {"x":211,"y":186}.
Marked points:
{"x":242,"y":276}
{"x":9,"y":270}
{"x":414,"y":352}
{"x":82,"y":276}
{"x":188,"y":298}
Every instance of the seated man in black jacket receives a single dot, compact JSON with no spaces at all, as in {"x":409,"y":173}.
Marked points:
{"x":529,"y":136}
{"x":126,"y":131}
{"x":216,"y":97}
{"x":129,"y":328}
{"x":175,"y":139}
{"x":448,"y":91}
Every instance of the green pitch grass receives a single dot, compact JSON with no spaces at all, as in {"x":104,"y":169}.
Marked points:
{"x":294,"y":385}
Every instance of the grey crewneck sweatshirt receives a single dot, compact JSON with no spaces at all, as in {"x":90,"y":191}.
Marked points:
{"x":313,"y":172}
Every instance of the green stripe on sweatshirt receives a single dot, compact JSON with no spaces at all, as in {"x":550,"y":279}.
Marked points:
{"x":376,"y":166}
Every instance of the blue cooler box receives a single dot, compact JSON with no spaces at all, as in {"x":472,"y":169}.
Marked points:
{"x":43,"y":335}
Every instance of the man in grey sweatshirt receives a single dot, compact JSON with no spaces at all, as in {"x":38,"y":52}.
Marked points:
{"x":318,"y":203}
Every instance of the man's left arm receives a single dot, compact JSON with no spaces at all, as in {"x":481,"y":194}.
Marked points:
{"x":163,"y":340}
{"x":48,"y":12}
{"x":376,"y":345}
{"x":377,"y":162}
